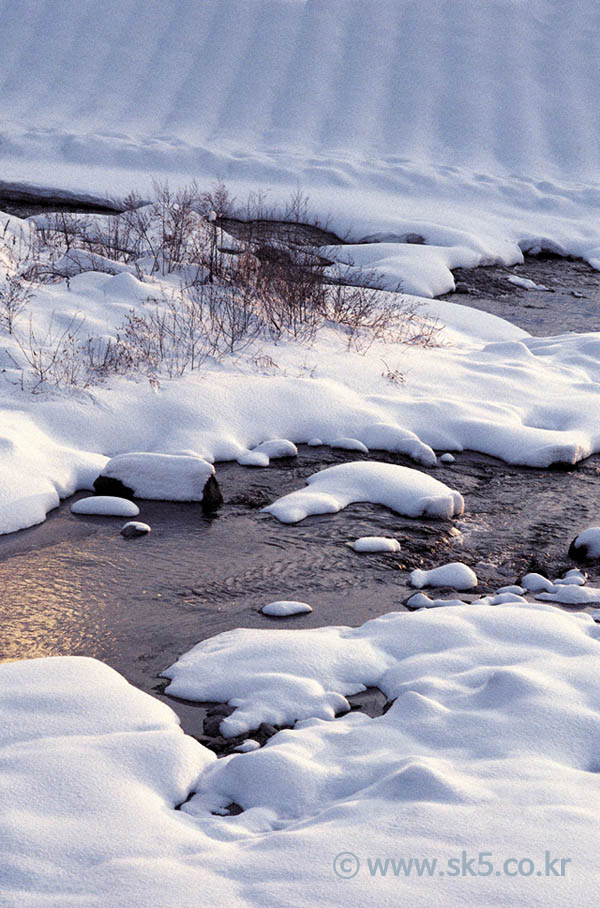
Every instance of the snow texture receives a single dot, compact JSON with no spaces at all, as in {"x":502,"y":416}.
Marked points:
{"x":402,"y":489}
{"x":166,"y":477}
{"x":491,"y":736}
{"x":105,"y":505}
{"x":455,"y":574}
{"x":588,"y":543}
{"x":375,"y":544}
{"x":285,"y":607}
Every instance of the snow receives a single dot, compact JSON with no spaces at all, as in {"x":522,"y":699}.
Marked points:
{"x":535,"y":582}
{"x":489,"y":387}
{"x":464,"y":115}
{"x":285,"y":607}
{"x":525,"y":283}
{"x":571,"y":595}
{"x":350,"y":444}
{"x":422,"y":600}
{"x":168,"y":477}
{"x":375,"y":544}
{"x":106,"y":505}
{"x":447,"y":458}
{"x":491,"y":735}
{"x":587,"y":543}
{"x":248,"y":745}
{"x":276,"y":448}
{"x":402,"y":489}
{"x":573,"y":576}
{"x":455,"y":574}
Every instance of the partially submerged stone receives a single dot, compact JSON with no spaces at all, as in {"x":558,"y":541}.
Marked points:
{"x":162,"y":477}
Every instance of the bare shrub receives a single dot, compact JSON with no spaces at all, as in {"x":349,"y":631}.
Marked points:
{"x":54,"y":357}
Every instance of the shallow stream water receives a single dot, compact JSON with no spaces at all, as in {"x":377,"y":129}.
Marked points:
{"x":74,"y":586}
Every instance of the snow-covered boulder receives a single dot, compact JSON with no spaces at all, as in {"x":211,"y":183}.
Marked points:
{"x":163,"y":477}
{"x":402,"y":489}
{"x":105,"y":506}
{"x":455,"y":574}
{"x":283,"y":608}
{"x":586,"y":546}
{"x":375,"y":544}
{"x":536,"y":583}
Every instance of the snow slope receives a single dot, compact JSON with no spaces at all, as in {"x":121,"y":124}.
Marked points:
{"x":472,"y":124}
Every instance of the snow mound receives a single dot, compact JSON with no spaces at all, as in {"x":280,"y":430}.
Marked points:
{"x":253,"y":459}
{"x":285,"y":607}
{"x":571,"y":595}
{"x":375,"y":544}
{"x":422,"y":600}
{"x":525,"y":283}
{"x":455,"y":574}
{"x":402,"y":489}
{"x":165,"y":477}
{"x":106,"y":505}
{"x":447,"y":458}
{"x":535,"y":582}
{"x":135,"y":528}
{"x":573,"y":577}
{"x":276,"y":448}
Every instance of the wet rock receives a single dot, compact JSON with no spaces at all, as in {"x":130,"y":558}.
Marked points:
{"x":212,"y":726}
{"x":461,"y":287}
{"x":586,"y":546}
{"x":212,"y":498}
{"x":106,"y":485}
{"x":134,"y":528}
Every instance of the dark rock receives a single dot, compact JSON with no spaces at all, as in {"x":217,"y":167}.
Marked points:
{"x":461,"y":287}
{"x":267,"y":731}
{"x":221,"y":709}
{"x":212,"y":498}
{"x":581,"y":553}
{"x":106,"y":485}
{"x":212,"y":725}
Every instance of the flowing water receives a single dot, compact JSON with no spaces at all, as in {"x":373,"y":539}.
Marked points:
{"x":74,"y":586}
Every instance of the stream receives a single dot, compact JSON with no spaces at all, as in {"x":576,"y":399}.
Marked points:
{"x":74,"y":586}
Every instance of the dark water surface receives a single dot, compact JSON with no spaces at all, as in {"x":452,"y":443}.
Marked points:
{"x":74,"y":586}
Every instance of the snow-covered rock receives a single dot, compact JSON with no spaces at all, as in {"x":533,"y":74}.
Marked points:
{"x":455,"y":574}
{"x":253,"y":459}
{"x":105,"y":505}
{"x":447,"y":458}
{"x":573,"y":577}
{"x":282,"y":608}
{"x":276,"y":448}
{"x":535,"y":582}
{"x":167,"y":477}
{"x":402,"y":489}
{"x":586,"y":546}
{"x":375,"y":544}
{"x":135,"y":528}
{"x":349,"y":444}
{"x":422,"y":600}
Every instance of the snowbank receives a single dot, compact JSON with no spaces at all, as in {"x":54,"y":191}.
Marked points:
{"x":456,"y":574}
{"x":490,"y":738}
{"x":405,"y":491}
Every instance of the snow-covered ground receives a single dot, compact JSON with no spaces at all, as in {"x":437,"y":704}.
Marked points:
{"x":487,"y":754}
{"x":435,"y":135}
{"x":487,"y":386}
{"x":471,"y":125}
